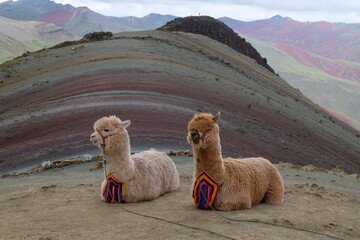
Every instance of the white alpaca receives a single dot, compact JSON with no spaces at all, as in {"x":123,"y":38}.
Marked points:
{"x":143,"y":176}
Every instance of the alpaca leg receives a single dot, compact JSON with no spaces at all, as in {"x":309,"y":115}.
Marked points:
{"x":101,"y":190}
{"x":244,"y":202}
{"x":233,"y":206}
{"x":275,"y":192}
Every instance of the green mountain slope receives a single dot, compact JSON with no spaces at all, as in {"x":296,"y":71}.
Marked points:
{"x":335,"y":94}
{"x":17,"y":37}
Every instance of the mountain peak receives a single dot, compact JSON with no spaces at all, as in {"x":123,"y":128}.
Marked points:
{"x":279,"y":18}
{"x":27,"y":9}
{"x":218,"y":31}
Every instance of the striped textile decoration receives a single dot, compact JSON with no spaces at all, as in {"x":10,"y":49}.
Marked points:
{"x":114,"y":190}
{"x":204,"y":191}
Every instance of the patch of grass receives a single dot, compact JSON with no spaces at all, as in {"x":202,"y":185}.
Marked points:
{"x":51,"y":150}
{"x":241,"y":130}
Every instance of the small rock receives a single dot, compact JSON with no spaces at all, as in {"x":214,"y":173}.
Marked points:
{"x":45,"y":164}
{"x":288,"y":222}
{"x":99,"y":165}
{"x":47,"y":187}
{"x":329,"y":225}
{"x":87,"y":157}
{"x":339,"y":168}
{"x":357,"y":176}
{"x":312,"y":168}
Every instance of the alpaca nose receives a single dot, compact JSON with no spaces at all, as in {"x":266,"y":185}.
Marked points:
{"x":92,"y":136}
{"x":195,"y":136}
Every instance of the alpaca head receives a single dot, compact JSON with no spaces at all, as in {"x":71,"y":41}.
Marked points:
{"x":106,"y":128}
{"x":203,"y":130}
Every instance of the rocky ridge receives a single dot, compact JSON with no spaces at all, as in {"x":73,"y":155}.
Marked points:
{"x":216,"y":30}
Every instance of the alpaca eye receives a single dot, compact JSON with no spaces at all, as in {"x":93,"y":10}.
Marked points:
{"x":106,"y":130}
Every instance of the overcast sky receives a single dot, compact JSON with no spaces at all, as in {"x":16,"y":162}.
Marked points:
{"x":247,"y":10}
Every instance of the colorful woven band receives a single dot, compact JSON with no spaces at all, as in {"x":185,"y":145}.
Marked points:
{"x":114,"y":190}
{"x":205,"y":191}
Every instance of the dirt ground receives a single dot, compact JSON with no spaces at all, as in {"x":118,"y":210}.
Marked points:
{"x":65,"y":204}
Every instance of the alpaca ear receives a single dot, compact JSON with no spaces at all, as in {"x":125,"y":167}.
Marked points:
{"x":124,"y":124}
{"x":216,"y":117}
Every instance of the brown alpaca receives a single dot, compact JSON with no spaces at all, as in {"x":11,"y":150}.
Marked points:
{"x":241,"y":183}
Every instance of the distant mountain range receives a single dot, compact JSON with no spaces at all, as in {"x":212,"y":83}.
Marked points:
{"x":17,"y":37}
{"x":306,"y":40}
{"x":321,"y":59}
{"x":77,"y":21}
{"x":30,"y":25}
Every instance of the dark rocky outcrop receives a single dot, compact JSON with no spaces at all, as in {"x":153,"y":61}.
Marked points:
{"x":90,"y":37}
{"x":97,"y":36}
{"x":216,"y":30}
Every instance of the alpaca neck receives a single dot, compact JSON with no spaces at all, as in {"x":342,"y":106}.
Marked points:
{"x":118,"y":158}
{"x":209,"y":160}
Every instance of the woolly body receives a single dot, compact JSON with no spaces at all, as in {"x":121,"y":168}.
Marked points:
{"x":243,"y":182}
{"x":147,"y":174}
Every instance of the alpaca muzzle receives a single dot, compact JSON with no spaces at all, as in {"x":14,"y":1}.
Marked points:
{"x":93,"y":138}
{"x":195,"y":136}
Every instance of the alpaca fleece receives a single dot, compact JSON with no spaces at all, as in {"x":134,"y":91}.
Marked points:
{"x":147,"y":174}
{"x":242,"y":182}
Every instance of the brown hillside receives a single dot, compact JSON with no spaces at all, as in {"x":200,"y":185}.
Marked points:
{"x":159,"y":80}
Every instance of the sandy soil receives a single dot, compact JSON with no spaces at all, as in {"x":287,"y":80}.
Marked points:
{"x":65,"y":204}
